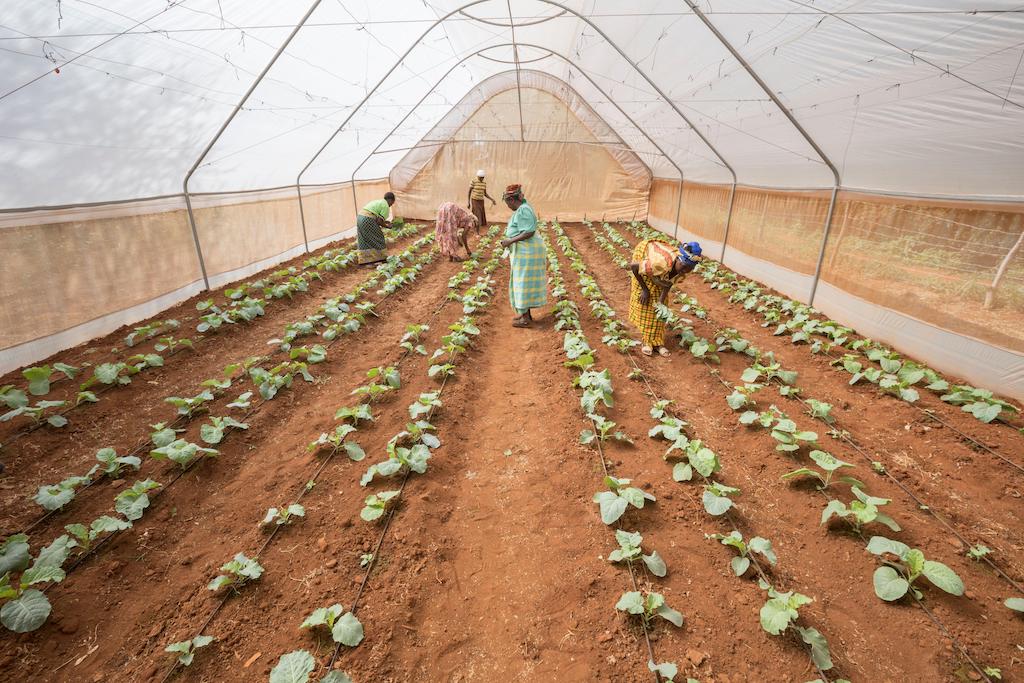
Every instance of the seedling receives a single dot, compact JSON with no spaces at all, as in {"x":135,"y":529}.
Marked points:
{"x":337,"y":440}
{"x":243,"y":401}
{"x":604,"y":431}
{"x":978,"y":552}
{"x":35,"y":413}
{"x":780,"y":612}
{"x":789,"y":437}
{"x":238,"y":572}
{"x":56,"y":496}
{"x":698,"y":457}
{"x":425,"y":404}
{"x":830,"y":465}
{"x":365,"y":559}
{"x":399,"y":459}
{"x":284,"y":515}
{"x":134,"y":501}
{"x":85,"y":536}
{"x":979,"y":402}
{"x":716,"y":498}
{"x":613,"y":503}
{"x":376,"y":505}
{"x":186,"y":649}
{"x":820,"y":410}
{"x":111,"y":464}
{"x":742,"y":397}
{"x":896,"y":578}
{"x":163,"y":435}
{"x":741,"y":563}
{"x":771,"y":370}
{"x":26,"y":608}
{"x":295,"y":667}
{"x":213,"y":433}
{"x":182,"y":452}
{"x":647,"y":606}
{"x":190,"y":406}
{"x":597,"y":389}
{"x":629,"y":550}
{"x":360,"y":411}
{"x":384,"y":380}
{"x":344,"y":626}
{"x":862,"y":511}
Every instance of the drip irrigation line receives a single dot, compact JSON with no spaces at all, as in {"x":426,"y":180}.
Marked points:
{"x":92,"y":551}
{"x":305,"y":489}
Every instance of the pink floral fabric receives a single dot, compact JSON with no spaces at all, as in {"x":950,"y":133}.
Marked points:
{"x":452,"y":223}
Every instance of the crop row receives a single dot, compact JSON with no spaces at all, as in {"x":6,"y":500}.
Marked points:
{"x":26,"y":608}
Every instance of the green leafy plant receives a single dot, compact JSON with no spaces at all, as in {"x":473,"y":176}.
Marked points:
{"x":979,"y":402}
{"x":36,"y":412}
{"x":820,"y":410}
{"x":182,"y":452}
{"x":780,"y":612}
{"x":789,"y":437}
{"x":648,"y":605}
{"x":597,"y":389}
{"x":86,"y":536}
{"x":355,"y":414}
{"x":717,"y":498}
{"x":134,"y":501}
{"x":193,"y":405}
{"x":186,"y":649}
{"x":337,"y":440}
{"x":978,"y":552}
{"x":829,"y":465}
{"x":399,"y":459}
{"x":604,"y":429}
{"x":698,"y":457}
{"x":743,"y":397}
{"x":295,"y":667}
{"x":741,"y":562}
{"x":424,"y":404}
{"x":56,"y":496}
{"x":213,"y":433}
{"x":862,"y":511}
{"x":376,"y":505}
{"x":26,"y":608}
{"x":112,"y":465}
{"x":614,"y":502}
{"x":629,"y":550}
{"x":284,"y":515}
{"x":896,"y":578}
{"x":238,"y":572}
{"x":344,"y":626}
{"x":383,"y":381}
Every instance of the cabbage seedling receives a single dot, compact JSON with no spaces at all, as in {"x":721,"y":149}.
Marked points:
{"x":35,"y":413}
{"x":862,"y":511}
{"x":182,"y":452}
{"x":978,"y":402}
{"x":742,"y":397}
{"x":162,"y":434}
{"x":698,"y":457}
{"x":604,"y":431}
{"x":830,"y":464}
{"x":356,"y":413}
{"x":26,"y":609}
{"x":896,"y":579}
{"x":376,"y":505}
{"x":781,"y":610}
{"x":978,"y":552}
{"x":13,"y":398}
{"x":133,"y":502}
{"x":648,"y":606}
{"x":789,"y":437}
{"x":56,"y":496}
{"x":111,"y":463}
{"x":629,"y":550}
{"x":213,"y":433}
{"x":284,"y":515}
{"x":717,"y":499}
{"x":344,"y":626}
{"x":186,"y":649}
{"x":424,"y":404}
{"x":414,"y":459}
{"x":336,"y":440}
{"x":238,"y":572}
{"x":613,"y":503}
{"x":85,"y":536}
{"x":295,"y":667}
{"x":757,"y":544}
{"x":820,"y":410}
{"x":190,"y":406}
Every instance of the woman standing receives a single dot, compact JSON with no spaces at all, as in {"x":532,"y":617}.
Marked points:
{"x":655,"y":267}
{"x":475,"y":199}
{"x":370,"y":224}
{"x":453,"y":226}
{"x":528,"y":282}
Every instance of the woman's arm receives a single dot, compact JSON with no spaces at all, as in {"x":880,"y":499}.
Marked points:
{"x":489,"y":197}
{"x":518,"y":238}
{"x":645,"y":294}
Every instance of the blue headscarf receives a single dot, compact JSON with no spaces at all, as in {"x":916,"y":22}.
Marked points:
{"x":690,"y":255}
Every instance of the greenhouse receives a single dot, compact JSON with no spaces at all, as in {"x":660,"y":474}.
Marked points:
{"x":519,"y":340}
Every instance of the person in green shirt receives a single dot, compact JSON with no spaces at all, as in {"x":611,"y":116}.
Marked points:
{"x":528,"y":271}
{"x":370,"y":224}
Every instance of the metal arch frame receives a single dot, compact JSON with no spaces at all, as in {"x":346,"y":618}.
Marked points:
{"x":796,"y":124}
{"x":552,"y":53}
{"x":223,"y":127}
{"x":581,"y":17}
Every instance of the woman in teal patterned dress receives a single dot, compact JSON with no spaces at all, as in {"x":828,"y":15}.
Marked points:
{"x":528,"y":282}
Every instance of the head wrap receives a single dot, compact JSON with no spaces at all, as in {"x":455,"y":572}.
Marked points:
{"x":658,"y":258}
{"x":480,"y":173}
{"x":514,"y":191}
{"x":690,"y":255}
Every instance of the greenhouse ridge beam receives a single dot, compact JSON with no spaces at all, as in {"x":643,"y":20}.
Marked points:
{"x":796,"y":124}
{"x":569,"y":87}
{"x":607,"y":39}
{"x":223,"y":127}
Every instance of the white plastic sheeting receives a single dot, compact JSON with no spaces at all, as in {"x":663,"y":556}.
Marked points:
{"x":114,"y":99}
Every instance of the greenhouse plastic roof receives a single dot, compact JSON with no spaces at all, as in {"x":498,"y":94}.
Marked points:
{"x":107,"y":100}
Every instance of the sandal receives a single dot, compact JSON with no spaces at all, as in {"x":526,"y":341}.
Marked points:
{"x":663,"y":352}
{"x":521,"y":322}
{"x":647,"y":350}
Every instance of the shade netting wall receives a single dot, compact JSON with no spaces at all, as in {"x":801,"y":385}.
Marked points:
{"x":941,"y":279}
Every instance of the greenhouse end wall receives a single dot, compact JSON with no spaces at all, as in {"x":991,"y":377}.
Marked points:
{"x":913,"y":273}
{"x":124,"y":262}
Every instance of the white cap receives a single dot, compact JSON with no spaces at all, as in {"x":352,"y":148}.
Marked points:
{"x":480,"y":173}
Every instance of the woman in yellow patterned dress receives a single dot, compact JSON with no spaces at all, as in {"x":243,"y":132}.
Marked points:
{"x":655,"y":267}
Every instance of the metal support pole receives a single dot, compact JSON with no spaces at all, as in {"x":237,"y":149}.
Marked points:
{"x":728,"y":221}
{"x":223,"y":127}
{"x":679,"y":208}
{"x":796,"y":124}
{"x":824,"y":241}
